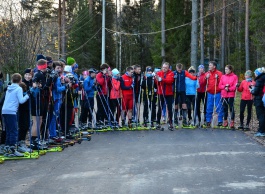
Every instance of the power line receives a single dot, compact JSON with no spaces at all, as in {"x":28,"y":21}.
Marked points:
{"x":173,"y":28}
{"x":78,"y":47}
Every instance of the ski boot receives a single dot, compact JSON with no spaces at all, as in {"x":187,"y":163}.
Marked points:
{"x":185,"y":124}
{"x":170,"y":127}
{"x":37,"y":145}
{"x":158,"y":127}
{"x":246,"y":128}
{"x":241,"y":126}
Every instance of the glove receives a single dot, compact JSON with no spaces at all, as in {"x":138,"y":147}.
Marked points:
{"x":207,"y":76}
{"x":159,"y":79}
{"x":237,"y":85}
{"x":155,"y":90}
{"x":132,"y":85}
{"x":175,"y":76}
{"x":216,"y":76}
{"x":29,"y":93}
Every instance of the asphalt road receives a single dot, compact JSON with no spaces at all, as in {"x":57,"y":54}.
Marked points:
{"x":145,"y":162}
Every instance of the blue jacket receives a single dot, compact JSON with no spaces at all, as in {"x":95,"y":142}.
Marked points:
{"x":57,"y":89}
{"x":89,"y":87}
{"x":14,"y":97}
{"x":191,"y":86}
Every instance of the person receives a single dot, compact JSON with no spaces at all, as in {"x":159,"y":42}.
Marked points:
{"x":227,"y":85}
{"x":115,"y":97}
{"x":258,"y":92}
{"x":127,"y":95}
{"x":164,"y":81}
{"x":58,"y":88}
{"x":89,"y":88}
{"x":81,"y":92}
{"x":212,"y":80}
{"x":191,"y":87}
{"x":24,"y":113}
{"x":14,"y":97}
{"x":103,"y":83}
{"x":246,"y":99}
{"x":39,"y":104}
{"x":149,"y":97}
{"x":201,"y":95}
{"x":180,"y":92}
{"x":137,"y":81}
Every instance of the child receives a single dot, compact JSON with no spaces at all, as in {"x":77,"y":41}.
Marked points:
{"x":115,"y":97}
{"x":14,"y":97}
{"x":191,"y":87}
{"x":246,"y":99}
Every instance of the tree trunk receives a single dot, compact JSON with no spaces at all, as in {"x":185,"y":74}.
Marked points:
{"x":90,"y":4}
{"x":247,"y":35}
{"x":194,"y":33}
{"x":163,"y":33}
{"x":202,"y":33}
{"x":223,"y":36}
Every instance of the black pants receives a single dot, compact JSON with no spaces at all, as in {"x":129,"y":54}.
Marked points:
{"x":190,"y":100}
{"x":243,"y":104}
{"x":103,"y":110}
{"x":228,"y":103}
{"x":161,"y":101}
{"x":115,"y":106}
{"x":201,"y":98}
{"x":152,"y":106}
{"x":260,"y":111}
{"x":23,"y":124}
{"x":87,"y":110}
{"x":68,"y":118}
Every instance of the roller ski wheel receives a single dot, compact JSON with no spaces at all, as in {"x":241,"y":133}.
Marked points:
{"x":89,"y":138}
{"x":1,"y":161}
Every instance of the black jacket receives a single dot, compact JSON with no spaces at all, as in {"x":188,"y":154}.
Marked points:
{"x":258,"y":89}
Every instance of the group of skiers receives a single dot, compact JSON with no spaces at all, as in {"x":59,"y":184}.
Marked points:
{"x":51,"y":94}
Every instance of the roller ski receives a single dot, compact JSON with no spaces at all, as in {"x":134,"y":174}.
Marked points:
{"x":159,"y":127}
{"x":170,"y":127}
{"x":186,"y":125}
{"x":10,"y":153}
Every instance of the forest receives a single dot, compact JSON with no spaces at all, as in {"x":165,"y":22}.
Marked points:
{"x":144,"y":32}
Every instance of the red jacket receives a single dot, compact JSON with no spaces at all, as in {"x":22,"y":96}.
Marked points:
{"x":116,"y":89}
{"x":202,"y":83}
{"x":230,"y":79}
{"x":103,"y":82}
{"x":126,"y":84}
{"x":244,"y":88}
{"x":166,"y":85}
{"x":211,"y":87}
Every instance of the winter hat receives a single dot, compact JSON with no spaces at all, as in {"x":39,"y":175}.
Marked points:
{"x":259,"y":71}
{"x":62,"y":60}
{"x":149,"y":69}
{"x":70,"y":61}
{"x":28,"y":70}
{"x":91,"y":71}
{"x":115,"y":72}
{"x":85,"y":73}
{"x":201,"y":67}
{"x":68,"y":68}
{"x":191,"y":69}
{"x":40,"y":56}
{"x":248,"y":73}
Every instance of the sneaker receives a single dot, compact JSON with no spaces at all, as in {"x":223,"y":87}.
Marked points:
{"x":240,"y":126}
{"x":232,"y":124}
{"x":208,"y":124}
{"x":225,"y":123}
{"x":10,"y":151}
{"x":23,"y":148}
{"x":246,"y":128}
{"x":258,"y":134}
{"x":185,"y":123}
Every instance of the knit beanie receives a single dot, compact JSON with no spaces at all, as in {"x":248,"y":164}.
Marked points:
{"x":248,"y":73}
{"x":28,"y":70}
{"x":191,"y":69}
{"x":115,"y":72}
{"x":259,"y":71}
{"x":70,"y":61}
{"x":62,"y":60}
{"x":201,"y":67}
{"x":40,"y":56}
